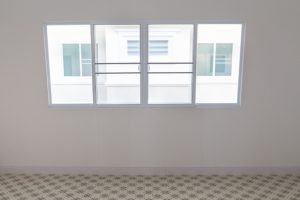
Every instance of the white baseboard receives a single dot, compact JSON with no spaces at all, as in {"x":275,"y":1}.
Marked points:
{"x":152,"y":170}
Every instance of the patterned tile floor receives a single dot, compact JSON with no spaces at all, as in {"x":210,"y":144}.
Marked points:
{"x":67,"y":187}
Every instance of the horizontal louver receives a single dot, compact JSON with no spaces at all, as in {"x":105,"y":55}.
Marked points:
{"x":156,"y":47}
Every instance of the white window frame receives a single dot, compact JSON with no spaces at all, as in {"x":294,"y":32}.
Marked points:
{"x":144,"y":64}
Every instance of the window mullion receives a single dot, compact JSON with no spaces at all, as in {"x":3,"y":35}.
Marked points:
{"x":195,"y":31}
{"x":214,"y":60}
{"x":93,"y":46}
{"x":143,"y":61}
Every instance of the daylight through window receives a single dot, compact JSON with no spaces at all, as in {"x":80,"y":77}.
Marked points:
{"x":144,"y":64}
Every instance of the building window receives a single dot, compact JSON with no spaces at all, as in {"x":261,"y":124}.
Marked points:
{"x":170,"y":74}
{"x":169,"y":64}
{"x":218,"y":63}
{"x":214,"y":59}
{"x":117,"y":73}
{"x":156,"y":47}
{"x":133,"y":47}
{"x":67,"y":51}
{"x":223,"y":60}
{"x":77,"y":60}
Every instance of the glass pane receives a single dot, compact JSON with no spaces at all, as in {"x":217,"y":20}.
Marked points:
{"x":170,"y":43}
{"x":170,"y":67}
{"x":86,"y":69}
{"x":169,"y":88}
{"x":71,"y":59}
{"x":86,"y":52}
{"x":86,"y":60}
{"x":67,"y":86}
{"x":222,"y":85}
{"x":118,"y":88}
{"x":112,"y":43}
{"x":117,"y":68}
{"x":133,"y":47}
{"x":158,"y":47}
{"x":223,"y":59}
{"x":205,"y":57}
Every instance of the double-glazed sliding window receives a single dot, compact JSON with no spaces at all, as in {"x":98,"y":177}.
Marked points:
{"x":144,"y":64}
{"x":170,"y":76}
{"x":117,"y":74}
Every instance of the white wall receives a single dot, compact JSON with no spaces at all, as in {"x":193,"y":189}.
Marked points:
{"x":263,"y":132}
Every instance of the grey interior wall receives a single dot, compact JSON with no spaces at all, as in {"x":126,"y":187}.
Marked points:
{"x":264,"y":131}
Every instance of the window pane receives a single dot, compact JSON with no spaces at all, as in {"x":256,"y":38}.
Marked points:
{"x":170,"y":43}
{"x":71,"y":59}
{"x":86,"y":52}
{"x":112,"y":43}
{"x":86,"y":59}
{"x":118,"y":44}
{"x":67,"y":84}
{"x":223,"y":59}
{"x":118,"y":88}
{"x":170,"y":88}
{"x":133,"y":47}
{"x":158,"y":47}
{"x":219,"y":85}
{"x":205,"y":57}
{"x":86,"y":69}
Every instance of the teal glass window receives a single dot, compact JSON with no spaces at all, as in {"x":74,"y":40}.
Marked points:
{"x":86,"y":60}
{"x":77,"y":59}
{"x":214,"y":59}
{"x":205,"y":57}
{"x":71,"y":59}
{"x":223,"y":59}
